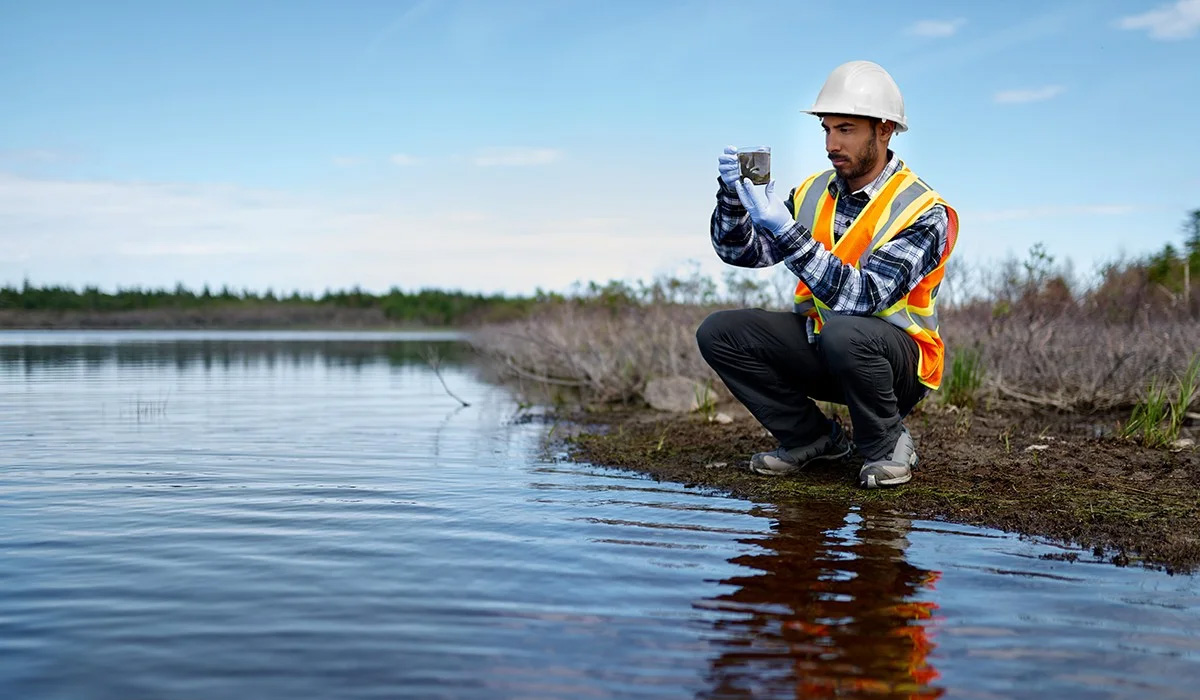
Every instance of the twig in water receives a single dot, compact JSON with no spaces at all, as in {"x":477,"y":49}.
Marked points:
{"x":435,"y":363}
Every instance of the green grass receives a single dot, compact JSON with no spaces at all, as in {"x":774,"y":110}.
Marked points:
{"x":1157,"y":419}
{"x":961,"y":384}
{"x":706,"y":400}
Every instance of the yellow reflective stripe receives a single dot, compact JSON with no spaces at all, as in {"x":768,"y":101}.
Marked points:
{"x":808,"y":197}
{"x":798,"y":195}
{"x":905,"y":316}
{"x":901,"y":220}
{"x":903,"y":321}
{"x":905,"y":177}
{"x":822,"y":310}
{"x":898,"y":306}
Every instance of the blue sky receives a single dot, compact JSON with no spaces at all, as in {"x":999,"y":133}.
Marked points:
{"x":503,"y":146}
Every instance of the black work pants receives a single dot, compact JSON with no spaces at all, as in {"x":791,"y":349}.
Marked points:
{"x":864,"y":362}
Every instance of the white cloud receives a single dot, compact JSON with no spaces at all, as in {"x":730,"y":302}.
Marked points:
{"x":490,"y":157}
{"x":80,"y":217}
{"x":1030,"y":95}
{"x":936,"y":28}
{"x":1168,"y":22}
{"x":404,"y":159}
{"x":1056,"y":211}
{"x":155,"y":234}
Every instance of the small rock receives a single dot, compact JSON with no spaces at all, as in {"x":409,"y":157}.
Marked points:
{"x":1183,"y":444}
{"x":1037,"y":448}
{"x":674,"y":394}
{"x":723,"y":418}
{"x":716,"y":465}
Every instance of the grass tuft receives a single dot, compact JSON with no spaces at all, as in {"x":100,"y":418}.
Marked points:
{"x":962,"y":383}
{"x":1157,"y":419}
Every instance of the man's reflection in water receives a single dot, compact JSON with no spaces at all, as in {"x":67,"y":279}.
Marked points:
{"x":829,"y":613}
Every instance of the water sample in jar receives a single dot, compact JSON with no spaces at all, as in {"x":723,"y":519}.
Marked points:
{"x":756,"y":164}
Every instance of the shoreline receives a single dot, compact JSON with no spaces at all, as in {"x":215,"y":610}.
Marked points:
{"x":217,"y":318}
{"x":1025,"y":472}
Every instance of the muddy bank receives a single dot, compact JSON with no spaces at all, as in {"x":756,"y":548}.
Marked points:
{"x":1030,"y":473}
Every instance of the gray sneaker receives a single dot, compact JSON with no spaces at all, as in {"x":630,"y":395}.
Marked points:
{"x":893,"y":470}
{"x":785,"y":461}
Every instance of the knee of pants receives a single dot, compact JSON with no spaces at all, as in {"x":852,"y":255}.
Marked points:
{"x":712,"y":329}
{"x":843,"y":340}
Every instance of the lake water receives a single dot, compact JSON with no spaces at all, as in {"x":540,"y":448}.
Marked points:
{"x":300,"y":515}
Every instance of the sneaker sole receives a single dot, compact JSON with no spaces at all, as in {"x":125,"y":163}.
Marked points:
{"x":823,"y":458}
{"x":874,"y":482}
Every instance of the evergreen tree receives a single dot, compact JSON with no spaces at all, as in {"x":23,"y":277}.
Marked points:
{"x":1191,"y":238}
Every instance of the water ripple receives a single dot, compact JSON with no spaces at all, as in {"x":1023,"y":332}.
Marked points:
{"x":216,"y":516}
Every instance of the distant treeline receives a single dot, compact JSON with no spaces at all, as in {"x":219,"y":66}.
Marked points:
{"x":428,"y":307}
{"x":1162,"y":284}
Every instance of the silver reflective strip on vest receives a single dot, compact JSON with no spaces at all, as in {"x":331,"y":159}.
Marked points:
{"x":906,"y":197}
{"x":904,"y":319}
{"x":806,"y":213}
{"x":803,"y":307}
{"x":929,"y":323}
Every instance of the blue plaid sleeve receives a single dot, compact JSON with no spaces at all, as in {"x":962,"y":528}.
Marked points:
{"x":888,"y":274}
{"x":735,"y":237}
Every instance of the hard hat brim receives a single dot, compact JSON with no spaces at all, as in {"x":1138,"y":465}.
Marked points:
{"x":900,"y":125}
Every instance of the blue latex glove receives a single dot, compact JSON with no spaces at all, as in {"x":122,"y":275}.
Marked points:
{"x":765,"y":209}
{"x":729,"y":167}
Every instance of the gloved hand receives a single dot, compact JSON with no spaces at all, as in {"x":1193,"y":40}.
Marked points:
{"x":766,"y":210}
{"x":729,"y":167}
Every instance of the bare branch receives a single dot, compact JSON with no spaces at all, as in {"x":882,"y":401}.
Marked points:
{"x":434,"y":360}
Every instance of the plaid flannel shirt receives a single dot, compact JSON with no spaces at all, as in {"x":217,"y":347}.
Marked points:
{"x":888,"y":274}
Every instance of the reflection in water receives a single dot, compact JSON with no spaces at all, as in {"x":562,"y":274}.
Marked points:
{"x":227,"y":354}
{"x":834,"y":609}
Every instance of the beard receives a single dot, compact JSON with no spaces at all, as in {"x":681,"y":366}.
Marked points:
{"x":860,"y":163}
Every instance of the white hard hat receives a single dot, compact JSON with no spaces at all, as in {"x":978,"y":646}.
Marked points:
{"x":864,"y":89}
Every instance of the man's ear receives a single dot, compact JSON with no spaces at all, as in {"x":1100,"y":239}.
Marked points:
{"x":886,"y":129}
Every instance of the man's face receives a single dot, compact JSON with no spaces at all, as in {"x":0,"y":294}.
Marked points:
{"x":851,"y":144}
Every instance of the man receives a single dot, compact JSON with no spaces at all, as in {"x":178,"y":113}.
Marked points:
{"x":869,"y":241}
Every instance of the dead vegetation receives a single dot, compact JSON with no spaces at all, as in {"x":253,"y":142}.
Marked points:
{"x":1025,"y":331}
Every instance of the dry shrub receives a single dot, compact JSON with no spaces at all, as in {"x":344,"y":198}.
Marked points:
{"x":598,"y":354}
{"x":1041,"y":336}
{"x":1070,"y":361}
{"x":1050,"y":339}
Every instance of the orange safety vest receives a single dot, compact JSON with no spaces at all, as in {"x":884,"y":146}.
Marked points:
{"x":903,"y":199}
